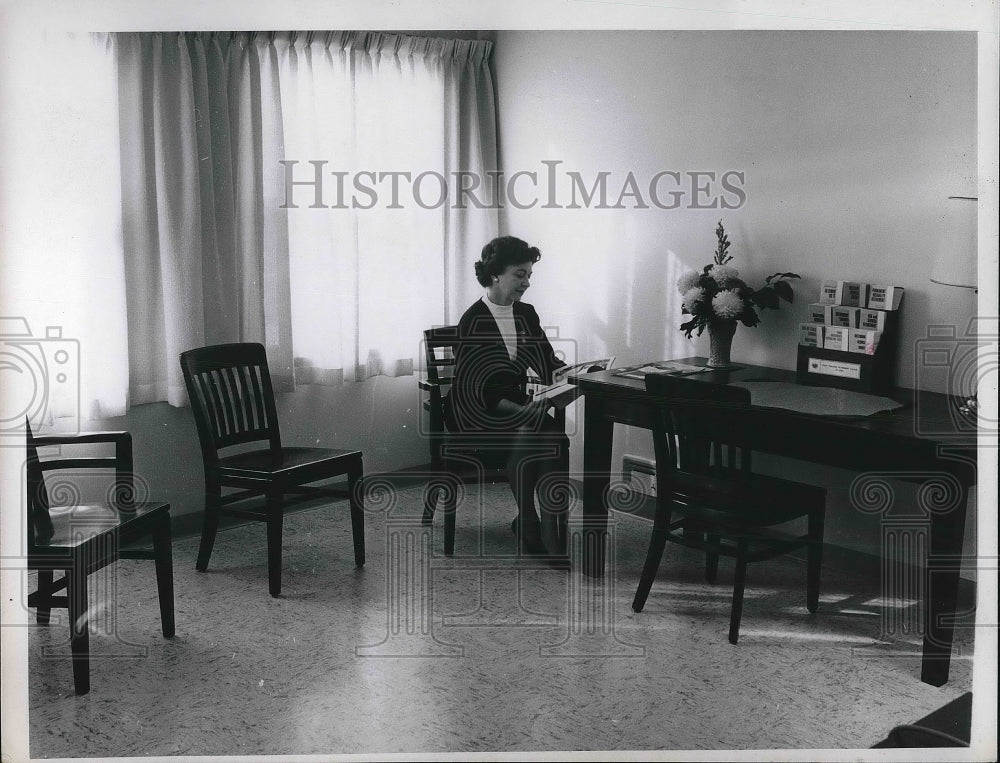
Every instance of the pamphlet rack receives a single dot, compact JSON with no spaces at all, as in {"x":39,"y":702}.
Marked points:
{"x":851,"y":338}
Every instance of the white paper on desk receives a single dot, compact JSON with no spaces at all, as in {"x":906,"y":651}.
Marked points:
{"x":647,"y":370}
{"x":668,"y":367}
{"x":824,"y":401}
{"x":674,"y":368}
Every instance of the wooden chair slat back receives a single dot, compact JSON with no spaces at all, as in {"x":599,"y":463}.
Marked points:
{"x":699,"y":425}
{"x":230,"y":390}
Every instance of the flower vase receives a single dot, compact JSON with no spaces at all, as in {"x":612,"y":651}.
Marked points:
{"x":720,"y":337}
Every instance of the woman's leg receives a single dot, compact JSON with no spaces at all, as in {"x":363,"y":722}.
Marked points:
{"x":522,"y":474}
{"x":539,"y":461}
{"x":552,"y":487}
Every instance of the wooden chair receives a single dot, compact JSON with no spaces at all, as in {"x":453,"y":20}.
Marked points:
{"x":229,"y":386}
{"x":80,"y":539}
{"x":708,"y":498}
{"x":456,"y":457}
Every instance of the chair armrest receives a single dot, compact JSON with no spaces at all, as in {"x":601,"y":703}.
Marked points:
{"x":122,"y":462}
{"x":120,"y":439}
{"x":82,"y":438}
{"x":430,"y":386}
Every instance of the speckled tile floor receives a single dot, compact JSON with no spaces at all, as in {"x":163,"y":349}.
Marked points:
{"x":478,"y":653}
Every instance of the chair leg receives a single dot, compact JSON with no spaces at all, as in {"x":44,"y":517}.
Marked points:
{"x":712,"y":561}
{"x":553,"y":491}
{"x":563,"y":529}
{"x":79,"y":640}
{"x":431,"y":492}
{"x":163,"y":558}
{"x":44,"y":596}
{"x":741,"y":578}
{"x":450,"y":509}
{"x":275,"y":518}
{"x":210,"y":525}
{"x":357,"y":514}
{"x":815,"y":560}
{"x":553,"y":506}
{"x":657,"y":542}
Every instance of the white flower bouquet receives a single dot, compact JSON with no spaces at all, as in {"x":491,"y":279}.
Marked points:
{"x":717,"y":295}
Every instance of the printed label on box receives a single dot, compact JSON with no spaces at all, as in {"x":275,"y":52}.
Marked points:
{"x":865,"y":341}
{"x":872,"y":319}
{"x":882,"y":297}
{"x":820,"y":313}
{"x":828,"y":293}
{"x":834,"y":368}
{"x":844,"y":316}
{"x":851,"y":293}
{"x":836,"y":338}
{"x":811,"y":334}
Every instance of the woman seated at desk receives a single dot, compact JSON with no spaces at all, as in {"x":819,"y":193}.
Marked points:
{"x":500,"y":337}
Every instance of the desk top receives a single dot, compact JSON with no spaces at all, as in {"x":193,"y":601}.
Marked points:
{"x":925,"y":416}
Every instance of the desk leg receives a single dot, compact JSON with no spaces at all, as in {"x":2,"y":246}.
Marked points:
{"x":944,"y":564}
{"x":598,"y":434}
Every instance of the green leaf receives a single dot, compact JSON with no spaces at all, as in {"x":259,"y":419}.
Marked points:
{"x":749,"y":317}
{"x":780,"y":276}
{"x":766,"y":297}
{"x":783,"y":290}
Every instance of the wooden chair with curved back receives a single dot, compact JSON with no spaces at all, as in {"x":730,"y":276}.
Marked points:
{"x":457,"y":457}
{"x":81,"y":538}
{"x":707,"y":496}
{"x":230,"y":389}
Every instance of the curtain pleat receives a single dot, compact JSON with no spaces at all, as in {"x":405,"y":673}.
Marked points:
{"x":206,"y":242}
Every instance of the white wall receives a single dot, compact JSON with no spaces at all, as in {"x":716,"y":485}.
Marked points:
{"x":850,"y":143}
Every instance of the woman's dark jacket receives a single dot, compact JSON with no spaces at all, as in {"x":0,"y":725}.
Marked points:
{"x":484,"y":372}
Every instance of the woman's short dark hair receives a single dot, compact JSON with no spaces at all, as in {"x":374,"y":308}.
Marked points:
{"x":502,"y":252}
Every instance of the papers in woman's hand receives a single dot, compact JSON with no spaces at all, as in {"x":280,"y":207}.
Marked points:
{"x":561,"y":392}
{"x":561,"y":374}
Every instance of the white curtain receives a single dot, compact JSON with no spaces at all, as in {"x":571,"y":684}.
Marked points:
{"x":206,"y":241}
{"x":214,"y":250}
{"x":371,"y":269}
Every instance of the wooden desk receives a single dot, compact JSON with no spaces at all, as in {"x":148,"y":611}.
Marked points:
{"x":926,"y":440}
